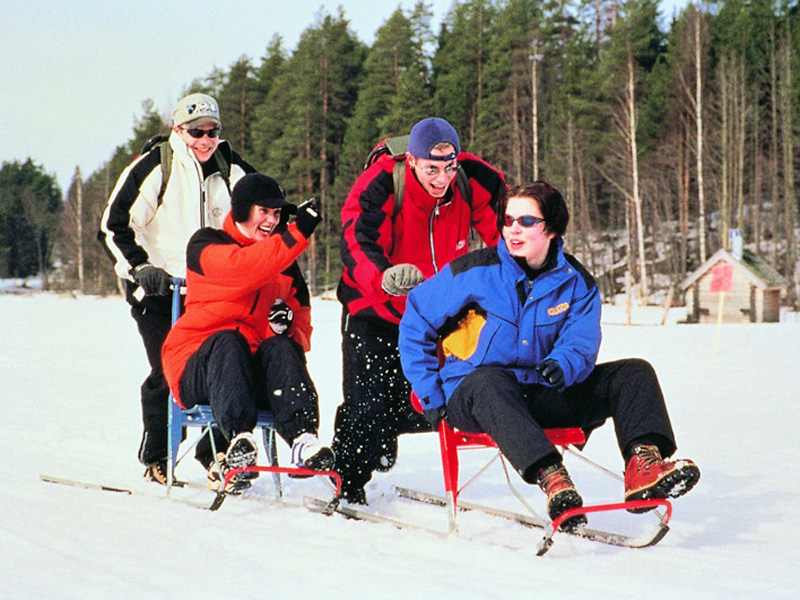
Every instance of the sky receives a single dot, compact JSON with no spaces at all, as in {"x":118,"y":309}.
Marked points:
{"x":74,"y":73}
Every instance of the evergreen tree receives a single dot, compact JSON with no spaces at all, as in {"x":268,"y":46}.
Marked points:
{"x":30,"y":201}
{"x":459,"y":66}
{"x":237,"y":98}
{"x":316,"y":95}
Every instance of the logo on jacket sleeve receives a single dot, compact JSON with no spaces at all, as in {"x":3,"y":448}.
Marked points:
{"x":557,"y":310}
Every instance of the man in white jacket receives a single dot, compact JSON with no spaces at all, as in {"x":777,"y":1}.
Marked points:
{"x":159,"y":201}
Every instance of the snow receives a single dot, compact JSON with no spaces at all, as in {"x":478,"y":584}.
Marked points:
{"x":70,"y":373}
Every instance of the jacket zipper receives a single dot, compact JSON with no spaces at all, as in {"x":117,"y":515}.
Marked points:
{"x":434,"y":214}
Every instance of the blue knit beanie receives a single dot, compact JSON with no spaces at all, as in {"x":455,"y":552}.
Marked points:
{"x":430,"y":132}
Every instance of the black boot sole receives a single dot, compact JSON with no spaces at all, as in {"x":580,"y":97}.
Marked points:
{"x":563,"y":502}
{"x":672,"y":485}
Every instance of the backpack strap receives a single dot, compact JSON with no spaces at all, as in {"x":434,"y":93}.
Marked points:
{"x":165,"y":150}
{"x":224,"y":169}
{"x":399,"y":182}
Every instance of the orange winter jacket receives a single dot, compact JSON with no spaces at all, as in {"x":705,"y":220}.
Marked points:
{"x":232,"y":282}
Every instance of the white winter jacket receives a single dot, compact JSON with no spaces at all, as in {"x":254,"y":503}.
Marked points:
{"x":136,"y":228}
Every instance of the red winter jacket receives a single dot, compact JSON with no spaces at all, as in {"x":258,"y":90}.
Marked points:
{"x":232,"y":282}
{"x":427,"y":233}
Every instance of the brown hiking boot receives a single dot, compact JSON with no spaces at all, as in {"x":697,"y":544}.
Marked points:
{"x":561,"y":495}
{"x":156,"y":472}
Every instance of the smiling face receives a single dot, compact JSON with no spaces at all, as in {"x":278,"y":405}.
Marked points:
{"x":261,"y":222}
{"x":530,"y":243}
{"x":434,"y":175}
{"x":203,"y":147}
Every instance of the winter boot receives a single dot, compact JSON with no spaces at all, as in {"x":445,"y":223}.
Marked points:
{"x":388,"y":454}
{"x":354,"y":495}
{"x":242,"y":452}
{"x":309,"y":453}
{"x":561,"y":495}
{"x":156,"y":472}
{"x":650,"y":476}
{"x":216,"y":476}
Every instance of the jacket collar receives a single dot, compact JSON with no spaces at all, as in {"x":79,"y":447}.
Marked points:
{"x":229,"y":226}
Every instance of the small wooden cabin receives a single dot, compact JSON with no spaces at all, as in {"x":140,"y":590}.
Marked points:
{"x":754,"y":296}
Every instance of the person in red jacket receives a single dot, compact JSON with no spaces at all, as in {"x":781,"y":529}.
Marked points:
{"x":240,"y":344}
{"x":389,"y":245}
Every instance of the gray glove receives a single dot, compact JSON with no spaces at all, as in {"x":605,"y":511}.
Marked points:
{"x":398,"y":280}
{"x":154,"y":281}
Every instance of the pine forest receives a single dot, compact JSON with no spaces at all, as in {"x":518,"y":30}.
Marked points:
{"x":664,"y":132}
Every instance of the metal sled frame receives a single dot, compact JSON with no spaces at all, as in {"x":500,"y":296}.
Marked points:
{"x":201,"y":416}
{"x":451,"y":441}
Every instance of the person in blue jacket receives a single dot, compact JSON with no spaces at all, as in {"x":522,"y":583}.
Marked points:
{"x":504,"y":341}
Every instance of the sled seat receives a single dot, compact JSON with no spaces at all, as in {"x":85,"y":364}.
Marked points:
{"x":451,"y":441}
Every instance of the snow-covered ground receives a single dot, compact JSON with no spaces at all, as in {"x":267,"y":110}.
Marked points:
{"x":70,"y":370}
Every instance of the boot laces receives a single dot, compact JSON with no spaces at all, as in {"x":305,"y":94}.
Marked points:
{"x":649,"y":455}
{"x":552,"y":477}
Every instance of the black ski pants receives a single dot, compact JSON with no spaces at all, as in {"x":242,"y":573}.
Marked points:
{"x":224,"y":374}
{"x":153,"y":316}
{"x":491,"y":400}
{"x":377,"y":401}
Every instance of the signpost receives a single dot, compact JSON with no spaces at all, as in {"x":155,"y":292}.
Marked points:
{"x":721,"y":282}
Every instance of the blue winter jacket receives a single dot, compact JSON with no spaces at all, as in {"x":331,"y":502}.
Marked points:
{"x":479,"y":312}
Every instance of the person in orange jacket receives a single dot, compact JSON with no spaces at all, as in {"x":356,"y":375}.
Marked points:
{"x":240,"y":344}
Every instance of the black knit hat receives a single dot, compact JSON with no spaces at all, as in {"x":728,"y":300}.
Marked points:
{"x":256,"y":188}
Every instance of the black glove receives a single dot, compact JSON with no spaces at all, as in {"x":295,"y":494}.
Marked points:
{"x":308,"y":217}
{"x":398,"y":280}
{"x":434,"y":416}
{"x":154,"y":281}
{"x":552,"y":374}
{"x":280,"y":317}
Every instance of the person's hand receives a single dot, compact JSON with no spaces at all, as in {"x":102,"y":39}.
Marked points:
{"x":154,"y":281}
{"x":434,"y":416}
{"x":398,"y":280}
{"x":308,"y":217}
{"x":280,"y":317}
{"x":552,"y":374}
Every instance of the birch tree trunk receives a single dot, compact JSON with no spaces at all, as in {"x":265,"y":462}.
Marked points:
{"x":535,"y":106}
{"x":79,"y":223}
{"x":787,"y":147}
{"x":637,"y":200}
{"x":698,"y":103}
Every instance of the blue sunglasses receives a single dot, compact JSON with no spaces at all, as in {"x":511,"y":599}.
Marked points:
{"x":525,"y":220}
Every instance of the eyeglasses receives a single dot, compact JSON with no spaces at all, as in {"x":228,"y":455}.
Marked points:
{"x":433,"y":170}
{"x":524,"y":220}
{"x":198,"y":133}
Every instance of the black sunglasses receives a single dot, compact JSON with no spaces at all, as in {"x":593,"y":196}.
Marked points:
{"x":198,"y":133}
{"x":524,"y":220}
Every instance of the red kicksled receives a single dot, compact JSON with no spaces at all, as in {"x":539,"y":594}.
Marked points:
{"x":452,"y":441}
